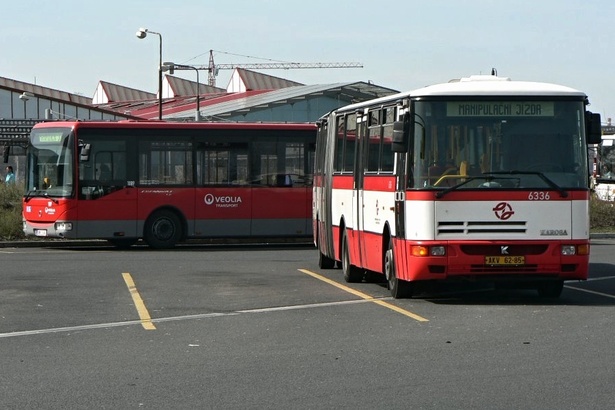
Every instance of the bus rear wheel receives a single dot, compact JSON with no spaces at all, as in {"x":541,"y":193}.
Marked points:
{"x":162,"y":229}
{"x":324,"y":262}
{"x":352,"y":274}
{"x":399,"y":288}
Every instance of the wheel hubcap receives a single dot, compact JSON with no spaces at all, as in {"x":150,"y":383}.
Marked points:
{"x":388,"y":266}
{"x":163,"y":229}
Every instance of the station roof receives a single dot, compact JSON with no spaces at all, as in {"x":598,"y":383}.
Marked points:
{"x":116,"y":93}
{"x":257,"y":100}
{"x":182,"y":88}
{"x":247,"y":80}
{"x":50,"y":93}
{"x":248,"y":91}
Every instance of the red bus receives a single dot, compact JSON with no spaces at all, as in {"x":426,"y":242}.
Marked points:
{"x":482,"y":178}
{"x":167,"y":182}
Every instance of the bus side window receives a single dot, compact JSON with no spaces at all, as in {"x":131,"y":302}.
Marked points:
{"x":387,"y":156}
{"x":222,"y":164}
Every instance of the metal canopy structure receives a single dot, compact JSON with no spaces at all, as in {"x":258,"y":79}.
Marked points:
{"x":344,"y":92}
{"x":15,"y":132}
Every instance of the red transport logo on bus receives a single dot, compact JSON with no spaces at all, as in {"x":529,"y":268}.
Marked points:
{"x":503,"y":211}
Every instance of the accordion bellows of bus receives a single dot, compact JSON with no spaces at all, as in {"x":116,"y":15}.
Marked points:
{"x":478,"y":179}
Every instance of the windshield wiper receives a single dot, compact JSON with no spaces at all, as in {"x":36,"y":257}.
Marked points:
{"x":440,"y":194}
{"x":562,"y":192}
{"x":29,"y":195}
{"x":38,"y":193}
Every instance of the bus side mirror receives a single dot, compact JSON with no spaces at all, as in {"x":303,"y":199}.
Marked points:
{"x":401,"y":135}
{"x":593,"y":128}
{"x":84,"y":152}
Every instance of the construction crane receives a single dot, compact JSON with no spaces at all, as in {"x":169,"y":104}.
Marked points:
{"x":213,"y":68}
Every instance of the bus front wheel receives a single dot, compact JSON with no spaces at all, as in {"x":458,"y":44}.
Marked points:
{"x":398,"y":288}
{"x":162,"y":229}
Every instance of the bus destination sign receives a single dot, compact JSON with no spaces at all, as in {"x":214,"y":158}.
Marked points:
{"x":47,"y":138}
{"x":500,"y":109}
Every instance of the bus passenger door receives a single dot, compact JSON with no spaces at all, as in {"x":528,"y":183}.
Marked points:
{"x":107,"y":195}
{"x":358,"y":190}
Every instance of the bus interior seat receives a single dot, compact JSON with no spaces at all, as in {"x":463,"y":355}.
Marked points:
{"x":284,"y":180}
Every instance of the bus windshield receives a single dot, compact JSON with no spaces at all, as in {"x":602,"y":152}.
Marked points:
{"x":50,"y":167}
{"x":525,"y":144}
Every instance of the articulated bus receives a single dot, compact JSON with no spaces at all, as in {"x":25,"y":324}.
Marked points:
{"x":480,"y":178}
{"x":167,"y":182}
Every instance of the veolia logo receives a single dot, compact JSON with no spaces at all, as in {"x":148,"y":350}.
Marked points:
{"x":223,"y":201}
{"x":503,"y":211}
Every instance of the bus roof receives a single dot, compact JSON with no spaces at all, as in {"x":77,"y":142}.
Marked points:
{"x":479,"y":85}
{"x":177,"y":125}
{"x":493,"y":85}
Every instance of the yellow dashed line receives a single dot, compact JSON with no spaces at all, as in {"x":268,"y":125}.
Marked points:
{"x":146,"y":320}
{"x":365,"y":296}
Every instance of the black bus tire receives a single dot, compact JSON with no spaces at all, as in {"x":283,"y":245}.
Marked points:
{"x":352,"y":274}
{"x":163,"y":229}
{"x":324,"y":262}
{"x":399,"y":288}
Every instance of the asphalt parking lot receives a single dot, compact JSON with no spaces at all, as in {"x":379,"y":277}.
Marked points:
{"x":263,"y":327}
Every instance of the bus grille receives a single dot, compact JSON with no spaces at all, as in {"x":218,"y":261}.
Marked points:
{"x":512,"y":249}
{"x":480,"y":227}
{"x":503,"y":269}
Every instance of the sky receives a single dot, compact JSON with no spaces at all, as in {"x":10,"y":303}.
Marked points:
{"x":71,"y":45}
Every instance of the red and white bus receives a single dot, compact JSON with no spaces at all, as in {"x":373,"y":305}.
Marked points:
{"x":481,"y":178}
{"x":167,"y":182}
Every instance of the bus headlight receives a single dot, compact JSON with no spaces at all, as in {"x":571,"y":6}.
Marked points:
{"x":421,"y":250}
{"x":570,"y":250}
{"x":63,"y":226}
{"x":437,"y":251}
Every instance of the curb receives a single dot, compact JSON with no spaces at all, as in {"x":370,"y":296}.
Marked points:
{"x":276,"y":241}
{"x":59,"y":243}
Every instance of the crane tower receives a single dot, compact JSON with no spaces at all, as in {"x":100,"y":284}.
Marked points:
{"x":213,"y":68}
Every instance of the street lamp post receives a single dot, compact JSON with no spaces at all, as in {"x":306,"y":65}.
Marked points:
{"x":142,"y":33}
{"x":25,"y":96}
{"x":170,"y":66}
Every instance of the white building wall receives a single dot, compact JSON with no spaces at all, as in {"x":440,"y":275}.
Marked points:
{"x":100,"y":96}
{"x":236,"y":84}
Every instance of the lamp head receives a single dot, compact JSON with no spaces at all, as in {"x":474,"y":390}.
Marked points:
{"x":25,"y":96}
{"x":168,"y":66}
{"x":142,"y":33}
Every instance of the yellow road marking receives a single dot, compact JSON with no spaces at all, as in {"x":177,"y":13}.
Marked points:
{"x":365,"y":296}
{"x":146,"y":320}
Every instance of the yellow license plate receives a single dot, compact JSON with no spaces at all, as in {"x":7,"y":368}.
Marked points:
{"x":504,"y":260}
